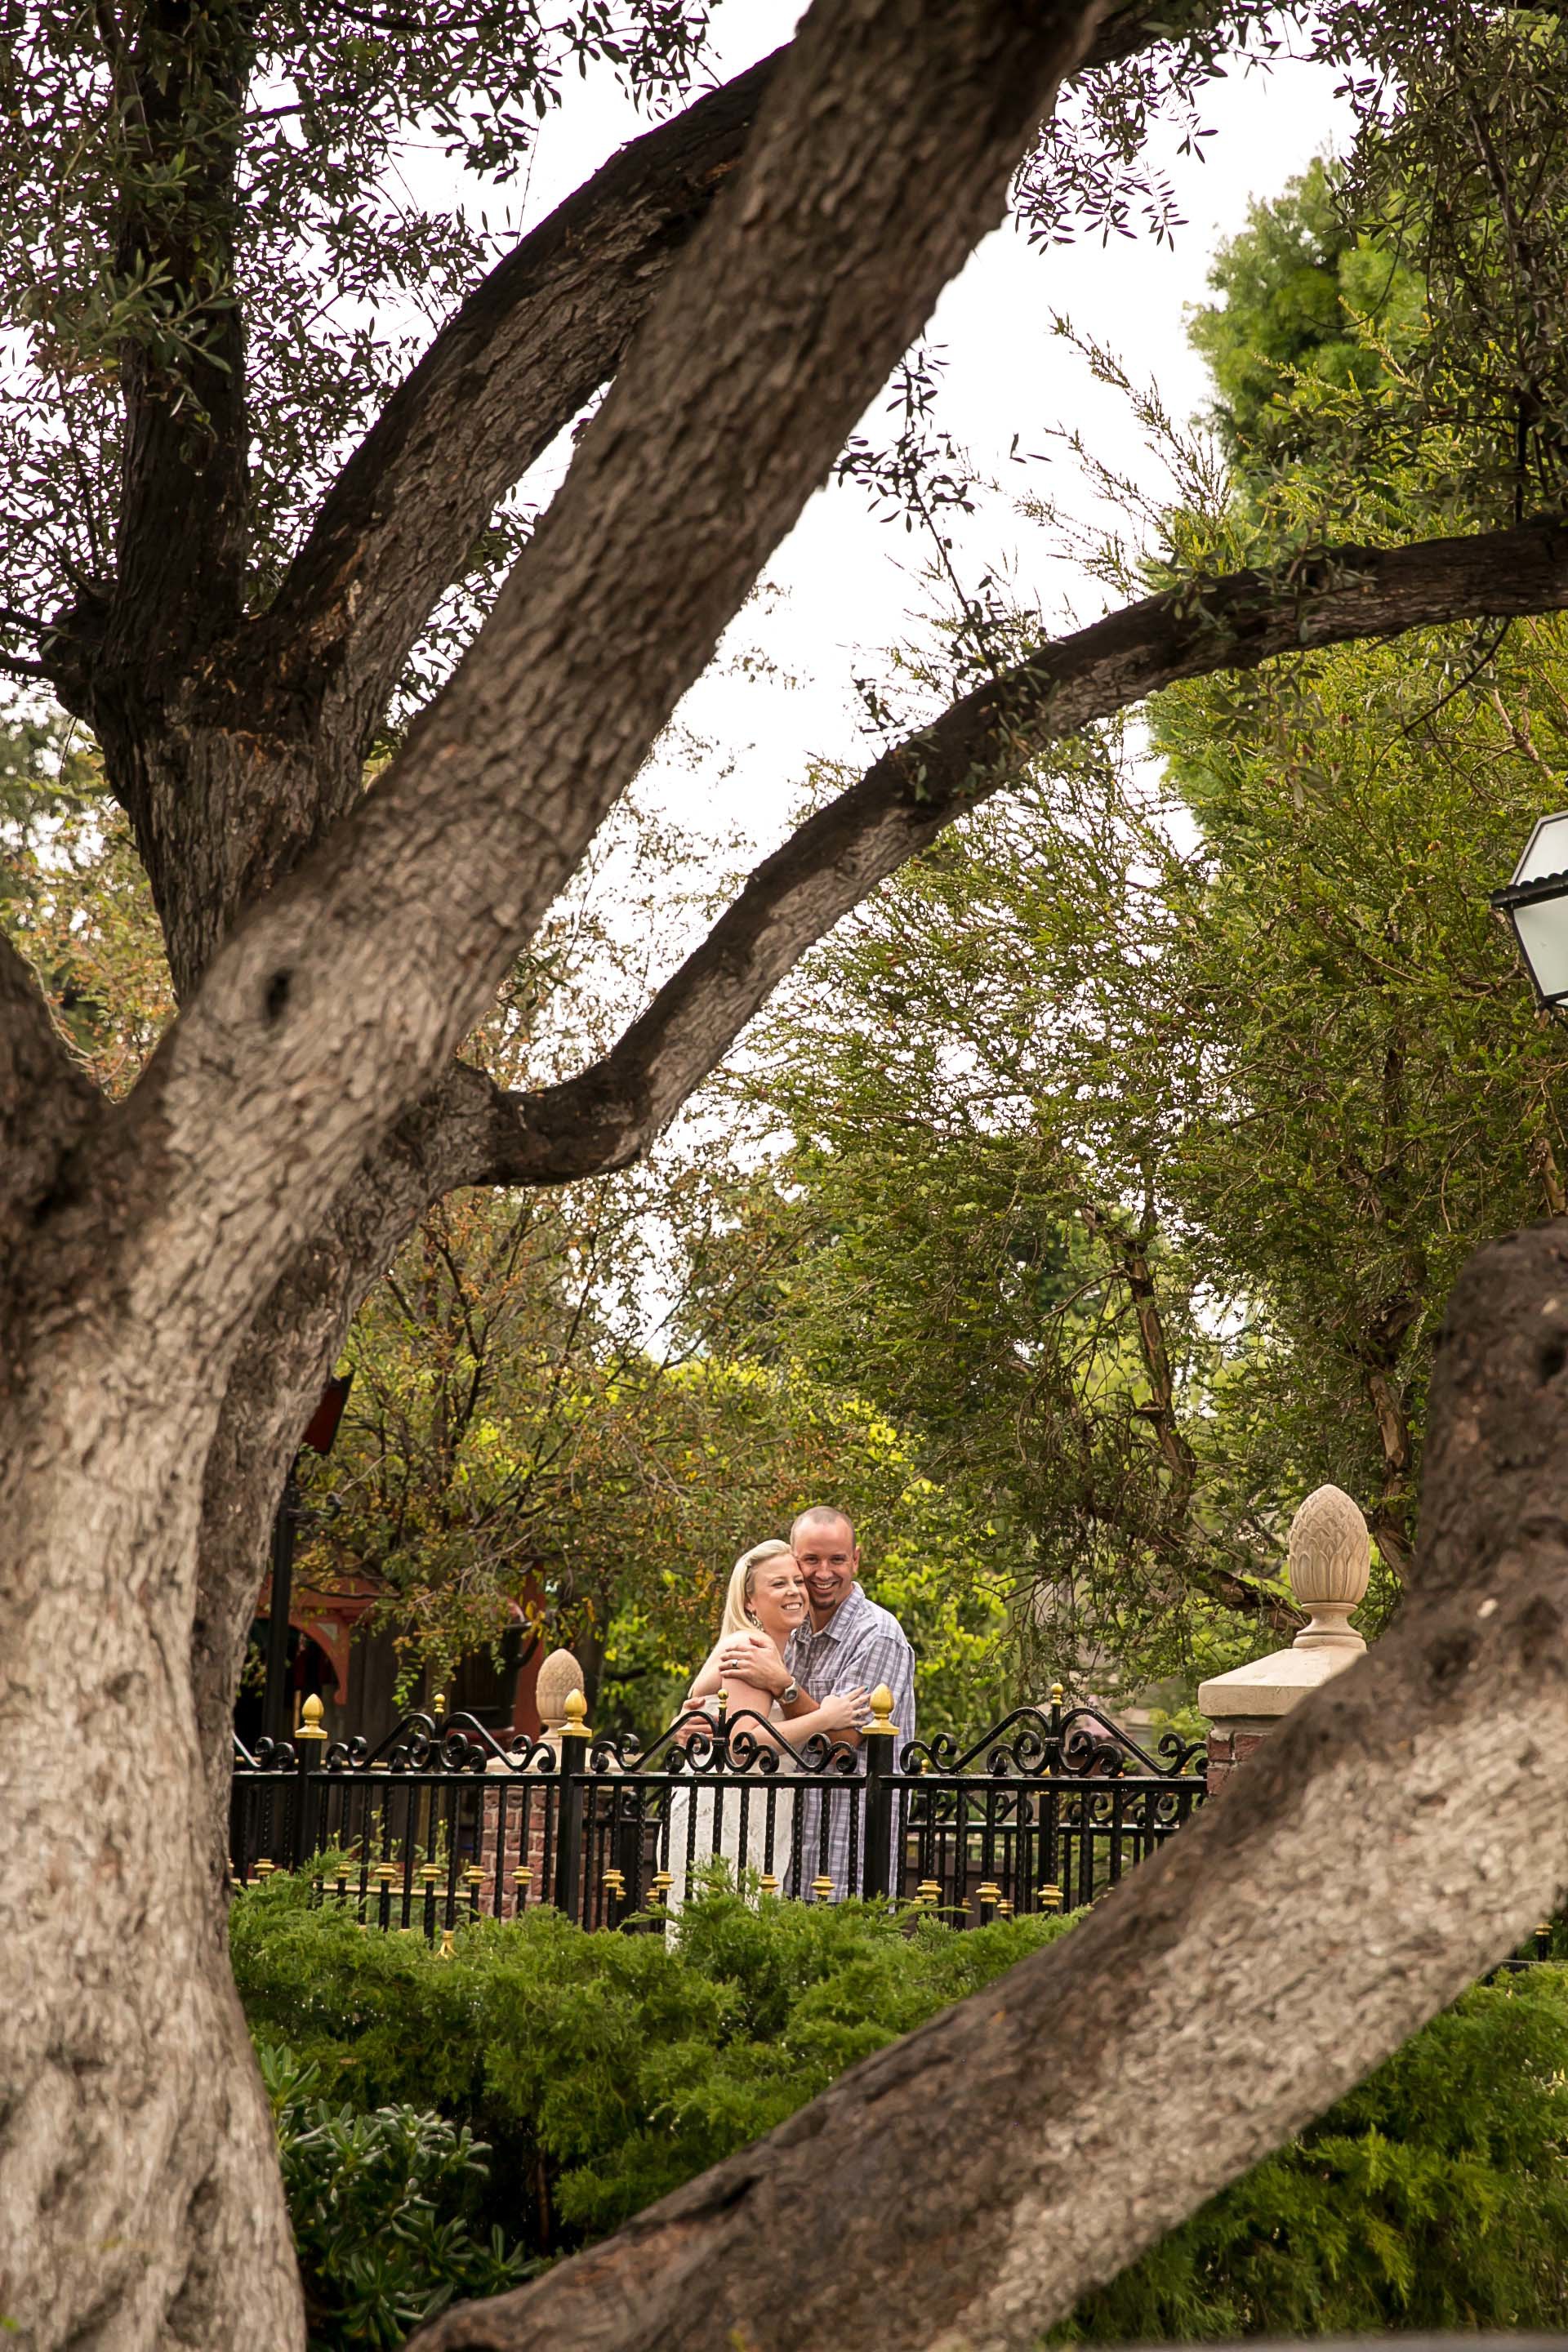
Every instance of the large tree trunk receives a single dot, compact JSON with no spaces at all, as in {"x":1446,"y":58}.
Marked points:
{"x":139,"y":1244}
{"x":139,"y":2202}
{"x":1399,"y":1834}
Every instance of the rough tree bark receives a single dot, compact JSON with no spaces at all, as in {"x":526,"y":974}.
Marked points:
{"x":236,"y":739}
{"x":137,"y":2201}
{"x":598,"y":1120}
{"x":975,"y":2178}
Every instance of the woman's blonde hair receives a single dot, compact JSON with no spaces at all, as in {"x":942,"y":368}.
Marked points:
{"x":735,"y":1618}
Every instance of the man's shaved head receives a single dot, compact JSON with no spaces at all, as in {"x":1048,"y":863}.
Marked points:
{"x":823,"y":1540}
{"x":820,"y":1518}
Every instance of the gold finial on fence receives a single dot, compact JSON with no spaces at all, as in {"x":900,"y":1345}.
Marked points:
{"x":429,"y":1872}
{"x":576,"y":1723}
{"x":929,"y":1893}
{"x":881,"y":1721}
{"x":311,"y":1724}
{"x":1058,"y":1693}
{"x":522,"y":1879}
{"x":438,"y":1706}
{"x":822,"y":1889}
{"x":1005,"y":1908}
{"x":767,"y":1883}
{"x":989,"y":1893}
{"x":446,"y":1943}
{"x":1052,"y":1896}
{"x":264,"y":1869}
{"x":662,"y":1883}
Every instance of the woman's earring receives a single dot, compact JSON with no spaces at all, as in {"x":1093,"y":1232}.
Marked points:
{"x":753,"y":1618}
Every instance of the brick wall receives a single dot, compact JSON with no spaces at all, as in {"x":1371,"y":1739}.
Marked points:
{"x":1226,"y":1750}
{"x":513,"y":1856}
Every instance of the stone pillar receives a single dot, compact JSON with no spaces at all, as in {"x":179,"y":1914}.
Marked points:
{"x":1329,"y":1561}
{"x":559,"y":1676}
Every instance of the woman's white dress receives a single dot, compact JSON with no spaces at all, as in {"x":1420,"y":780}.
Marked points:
{"x":698,"y":1795}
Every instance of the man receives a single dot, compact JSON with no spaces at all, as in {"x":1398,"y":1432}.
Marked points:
{"x":850,"y":1644}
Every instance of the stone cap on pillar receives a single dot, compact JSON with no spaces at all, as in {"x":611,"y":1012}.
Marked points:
{"x":1328,"y":1563}
{"x":559,"y":1676}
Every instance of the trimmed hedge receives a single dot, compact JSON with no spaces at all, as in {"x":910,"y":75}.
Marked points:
{"x":605,"y":2070}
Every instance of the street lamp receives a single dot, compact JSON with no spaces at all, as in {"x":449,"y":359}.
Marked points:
{"x":1536,"y":903}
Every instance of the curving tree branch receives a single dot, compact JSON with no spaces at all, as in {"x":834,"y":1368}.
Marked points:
{"x":515,"y":365}
{"x":610,"y":1112}
{"x":882,"y":157}
{"x":261,"y":724}
{"x":469,"y":1130}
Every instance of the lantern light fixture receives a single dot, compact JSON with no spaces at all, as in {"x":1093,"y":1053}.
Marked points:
{"x":1536,"y":903}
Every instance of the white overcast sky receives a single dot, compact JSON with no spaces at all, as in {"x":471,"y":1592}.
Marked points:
{"x":840,"y":588}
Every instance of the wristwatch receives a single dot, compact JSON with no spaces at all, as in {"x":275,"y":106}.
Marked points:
{"x":789,"y":1694}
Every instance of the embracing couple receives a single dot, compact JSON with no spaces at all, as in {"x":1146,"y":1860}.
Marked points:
{"x":799,"y":1652}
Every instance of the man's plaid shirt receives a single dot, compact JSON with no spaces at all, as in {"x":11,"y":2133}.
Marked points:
{"x":860,"y":1646}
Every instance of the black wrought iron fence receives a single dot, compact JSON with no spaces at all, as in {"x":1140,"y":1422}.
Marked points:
{"x":442,"y":1822}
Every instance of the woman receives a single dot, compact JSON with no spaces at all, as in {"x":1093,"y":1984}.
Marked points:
{"x":766,"y":1595}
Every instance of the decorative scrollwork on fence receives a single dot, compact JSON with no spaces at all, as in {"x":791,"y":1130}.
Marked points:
{"x":1073,"y":1743}
{"x":268,"y":1756}
{"x":708,"y":1747}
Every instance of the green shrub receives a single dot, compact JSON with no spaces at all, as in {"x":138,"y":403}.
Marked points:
{"x":606,"y":2070}
{"x":602,"y":2070}
{"x":1435,"y":2197}
{"x":381,"y":2208}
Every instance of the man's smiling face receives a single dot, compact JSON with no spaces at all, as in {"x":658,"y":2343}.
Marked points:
{"x":829,"y":1559}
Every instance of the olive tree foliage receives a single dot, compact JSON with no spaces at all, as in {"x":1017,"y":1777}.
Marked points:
{"x":177,"y":1267}
{"x":210,"y":200}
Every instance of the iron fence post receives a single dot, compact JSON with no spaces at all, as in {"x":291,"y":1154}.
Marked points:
{"x":573,"y":1796}
{"x":308,"y":1743}
{"x":238,"y":1827}
{"x":880,"y":1739}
